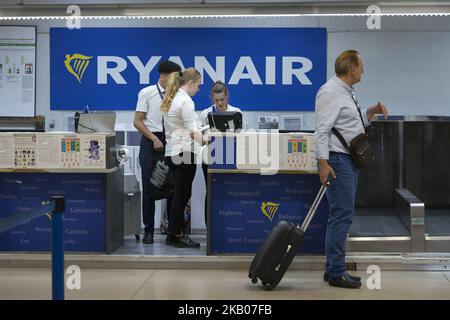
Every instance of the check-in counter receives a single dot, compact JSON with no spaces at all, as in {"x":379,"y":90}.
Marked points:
{"x":254,"y":181}
{"x":396,"y":207}
{"x":80,"y":167}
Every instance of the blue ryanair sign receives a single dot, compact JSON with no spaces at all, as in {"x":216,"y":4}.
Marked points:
{"x":266,"y":69}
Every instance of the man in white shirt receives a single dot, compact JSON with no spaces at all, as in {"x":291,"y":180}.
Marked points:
{"x":337,"y":107}
{"x":148,"y":121}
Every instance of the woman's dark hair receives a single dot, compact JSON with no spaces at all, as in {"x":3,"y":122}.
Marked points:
{"x":219,"y":87}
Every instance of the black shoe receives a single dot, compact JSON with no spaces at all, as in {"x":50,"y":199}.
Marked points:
{"x":170,"y":239}
{"x":326,"y":275}
{"x":185,"y":242}
{"x":344,"y":282}
{"x":148,"y":238}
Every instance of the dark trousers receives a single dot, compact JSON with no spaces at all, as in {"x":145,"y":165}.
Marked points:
{"x":205,"y":175}
{"x":148,"y":205}
{"x":183,"y":176}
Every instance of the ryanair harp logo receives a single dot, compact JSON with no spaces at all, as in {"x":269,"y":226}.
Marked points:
{"x":77,"y":64}
{"x":269,"y":209}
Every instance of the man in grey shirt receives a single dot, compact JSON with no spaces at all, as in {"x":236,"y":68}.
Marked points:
{"x":337,"y":107}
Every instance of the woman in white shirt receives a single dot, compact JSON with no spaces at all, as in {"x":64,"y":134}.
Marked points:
{"x":219,"y":96}
{"x":182,"y":148}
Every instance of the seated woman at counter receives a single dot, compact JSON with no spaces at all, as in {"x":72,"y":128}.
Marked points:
{"x":219,"y":96}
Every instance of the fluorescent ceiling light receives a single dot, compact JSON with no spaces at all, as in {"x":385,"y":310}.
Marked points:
{"x":204,"y":16}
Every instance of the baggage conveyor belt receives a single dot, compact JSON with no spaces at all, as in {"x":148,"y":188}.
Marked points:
{"x":379,"y":222}
{"x":437,"y":222}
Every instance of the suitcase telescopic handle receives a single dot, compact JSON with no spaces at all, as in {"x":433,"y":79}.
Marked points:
{"x":314,"y":206}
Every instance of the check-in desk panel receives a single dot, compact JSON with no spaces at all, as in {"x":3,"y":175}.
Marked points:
{"x":254,"y":181}
{"x":80,"y":167}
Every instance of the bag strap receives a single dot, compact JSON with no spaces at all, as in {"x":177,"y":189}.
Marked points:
{"x":359,"y":111}
{"x":341,"y":138}
{"x":160,"y":92}
{"x":339,"y":135}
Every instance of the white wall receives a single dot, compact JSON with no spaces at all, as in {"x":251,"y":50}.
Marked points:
{"x":406,"y":65}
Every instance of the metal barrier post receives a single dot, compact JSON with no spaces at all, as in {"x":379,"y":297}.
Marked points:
{"x":58,"y":249}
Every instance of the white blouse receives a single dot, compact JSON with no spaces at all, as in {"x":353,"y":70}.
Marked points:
{"x":179,"y":123}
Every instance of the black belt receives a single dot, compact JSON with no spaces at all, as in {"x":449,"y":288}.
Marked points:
{"x":342,"y":153}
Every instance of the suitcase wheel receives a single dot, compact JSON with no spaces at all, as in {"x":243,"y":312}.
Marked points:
{"x":137,"y":237}
{"x":268,"y":286}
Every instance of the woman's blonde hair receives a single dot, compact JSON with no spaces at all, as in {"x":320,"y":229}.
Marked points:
{"x":175,"y":82}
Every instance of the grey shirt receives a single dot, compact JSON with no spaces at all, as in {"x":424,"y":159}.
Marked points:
{"x":336,"y":108}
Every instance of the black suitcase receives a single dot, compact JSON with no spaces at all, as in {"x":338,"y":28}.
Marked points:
{"x":277,"y":252}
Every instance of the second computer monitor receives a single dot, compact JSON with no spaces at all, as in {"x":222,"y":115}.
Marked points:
{"x":96,"y":121}
{"x":225,"y":121}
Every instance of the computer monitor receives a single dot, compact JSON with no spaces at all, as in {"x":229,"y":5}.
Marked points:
{"x":225,"y":121}
{"x":97,"y":121}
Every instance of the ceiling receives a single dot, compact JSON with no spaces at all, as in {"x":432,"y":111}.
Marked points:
{"x":149,"y":7}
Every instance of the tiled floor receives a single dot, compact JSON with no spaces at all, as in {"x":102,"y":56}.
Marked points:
{"x":212,"y":284}
{"x":218,"y":284}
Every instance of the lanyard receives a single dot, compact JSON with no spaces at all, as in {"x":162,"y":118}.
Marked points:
{"x":159,"y":91}
{"x":162,"y":98}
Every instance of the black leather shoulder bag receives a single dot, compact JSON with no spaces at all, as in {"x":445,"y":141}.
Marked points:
{"x":360,"y":149}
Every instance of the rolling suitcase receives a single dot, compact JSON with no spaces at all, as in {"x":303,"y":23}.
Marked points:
{"x":277,"y":252}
